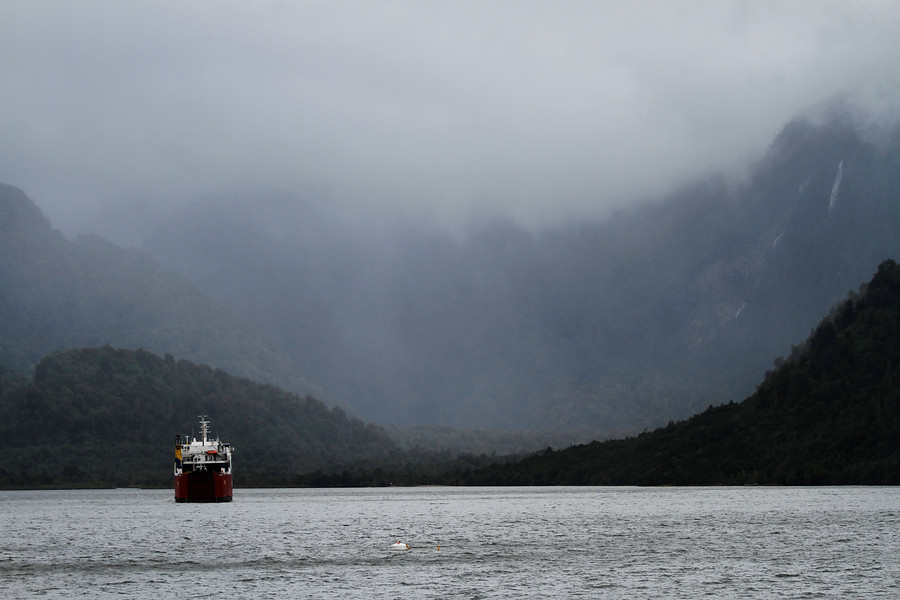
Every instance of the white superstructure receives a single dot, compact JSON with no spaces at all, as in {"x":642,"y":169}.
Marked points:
{"x":202,"y":453}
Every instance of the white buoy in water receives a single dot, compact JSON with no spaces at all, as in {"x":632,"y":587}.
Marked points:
{"x":399,"y":546}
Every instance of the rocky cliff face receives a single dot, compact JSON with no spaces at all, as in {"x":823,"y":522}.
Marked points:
{"x":817,"y":216}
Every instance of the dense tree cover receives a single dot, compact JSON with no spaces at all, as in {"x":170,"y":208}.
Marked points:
{"x":57,"y":294}
{"x":105,"y":416}
{"x":829,"y":414}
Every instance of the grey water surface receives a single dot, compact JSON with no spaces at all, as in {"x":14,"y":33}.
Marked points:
{"x":753,"y":542}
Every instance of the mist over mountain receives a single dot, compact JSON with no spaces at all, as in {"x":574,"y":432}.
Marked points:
{"x":601,"y":326}
{"x":828,"y":415}
{"x":116,"y":113}
{"x":57,"y":294}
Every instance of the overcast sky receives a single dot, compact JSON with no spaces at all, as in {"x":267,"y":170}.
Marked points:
{"x":114,"y":112}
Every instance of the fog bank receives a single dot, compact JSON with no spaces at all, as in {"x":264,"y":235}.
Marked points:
{"x":116,"y":113}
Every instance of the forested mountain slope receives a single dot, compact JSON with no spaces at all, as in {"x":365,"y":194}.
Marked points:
{"x":104,"y":416}
{"x":57,"y":294}
{"x":829,"y":414}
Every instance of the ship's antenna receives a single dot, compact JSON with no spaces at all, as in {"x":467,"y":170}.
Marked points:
{"x":204,"y":426}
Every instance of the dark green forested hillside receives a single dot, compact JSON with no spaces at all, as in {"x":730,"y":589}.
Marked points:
{"x":829,"y":414}
{"x":104,"y":416}
{"x":57,"y":294}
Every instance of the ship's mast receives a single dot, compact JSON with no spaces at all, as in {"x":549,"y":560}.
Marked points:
{"x":204,"y":427}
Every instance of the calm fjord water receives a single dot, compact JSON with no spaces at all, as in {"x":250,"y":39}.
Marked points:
{"x":494,"y":543}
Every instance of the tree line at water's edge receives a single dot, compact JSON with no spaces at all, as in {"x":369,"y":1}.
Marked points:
{"x":108,"y":417}
{"x":827,"y":414}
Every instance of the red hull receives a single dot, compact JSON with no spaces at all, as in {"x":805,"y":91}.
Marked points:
{"x":203,"y":486}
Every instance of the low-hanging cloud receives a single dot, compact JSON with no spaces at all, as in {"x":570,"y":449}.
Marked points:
{"x":114,"y":113}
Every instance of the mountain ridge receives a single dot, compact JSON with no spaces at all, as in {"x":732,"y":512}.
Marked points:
{"x":57,"y":294}
{"x":599,"y":327}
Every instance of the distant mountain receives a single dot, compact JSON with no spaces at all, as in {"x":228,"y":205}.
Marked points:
{"x":105,"y":416}
{"x":830,"y":414}
{"x":599,"y":327}
{"x":57,"y":294}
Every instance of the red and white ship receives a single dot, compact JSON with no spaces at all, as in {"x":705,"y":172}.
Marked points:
{"x":202,"y":468}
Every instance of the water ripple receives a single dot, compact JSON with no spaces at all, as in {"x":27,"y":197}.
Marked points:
{"x":465,"y":543}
